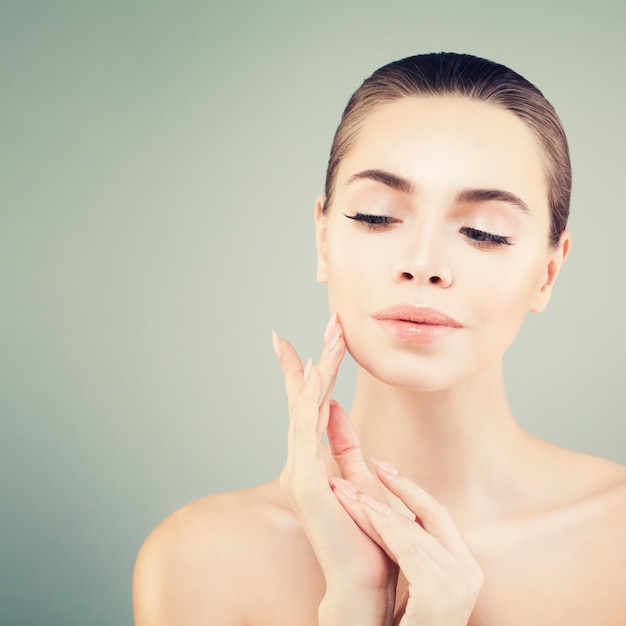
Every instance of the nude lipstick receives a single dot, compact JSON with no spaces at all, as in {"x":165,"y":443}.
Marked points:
{"x":418,"y":325}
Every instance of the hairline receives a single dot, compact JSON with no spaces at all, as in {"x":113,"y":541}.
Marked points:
{"x":355,"y":130}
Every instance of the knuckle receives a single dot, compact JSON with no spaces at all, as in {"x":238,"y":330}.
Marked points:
{"x":410,"y":548}
{"x":466,"y":587}
{"x":298,"y":426}
{"x":434,"y":511}
{"x":460,"y":593}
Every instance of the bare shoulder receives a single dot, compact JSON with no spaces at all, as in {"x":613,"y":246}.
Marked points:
{"x":600,"y":482}
{"x":590,"y":488}
{"x":588,"y":542}
{"x":564,"y":549}
{"x":586,"y":535}
{"x":608,"y":498}
{"x":562,"y":478}
{"x":208,"y":562}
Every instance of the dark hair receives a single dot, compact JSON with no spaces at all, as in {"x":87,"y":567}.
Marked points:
{"x":467,"y":76}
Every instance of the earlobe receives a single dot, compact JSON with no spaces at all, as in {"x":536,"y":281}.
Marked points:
{"x":553,"y":267}
{"x":320,"y":239}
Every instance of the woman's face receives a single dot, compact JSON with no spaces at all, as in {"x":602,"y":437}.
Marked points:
{"x":436,"y":243}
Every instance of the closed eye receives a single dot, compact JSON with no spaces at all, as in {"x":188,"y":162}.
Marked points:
{"x":483,"y":239}
{"x":373,"y":222}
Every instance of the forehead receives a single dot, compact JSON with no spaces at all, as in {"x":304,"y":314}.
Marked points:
{"x":450,"y":143}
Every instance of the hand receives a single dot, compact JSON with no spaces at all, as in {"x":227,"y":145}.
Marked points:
{"x":359,"y":575}
{"x":443,"y":577}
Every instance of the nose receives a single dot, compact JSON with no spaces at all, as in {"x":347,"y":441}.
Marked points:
{"x":424,"y":263}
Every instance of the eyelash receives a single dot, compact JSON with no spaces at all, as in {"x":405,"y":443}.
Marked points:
{"x":478,"y":237}
{"x":484,"y":239}
{"x":373,"y":222}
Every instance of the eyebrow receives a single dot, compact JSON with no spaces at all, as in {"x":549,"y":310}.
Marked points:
{"x":492,"y":195}
{"x":399,"y":183}
{"x":386,"y":178}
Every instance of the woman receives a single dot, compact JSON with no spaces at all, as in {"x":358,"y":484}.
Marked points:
{"x":443,"y":222}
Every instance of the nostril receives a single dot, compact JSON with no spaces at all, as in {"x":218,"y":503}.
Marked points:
{"x":439,"y":279}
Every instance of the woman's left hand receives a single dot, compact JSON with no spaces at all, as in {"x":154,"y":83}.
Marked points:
{"x":360,"y":578}
{"x":443,"y":577}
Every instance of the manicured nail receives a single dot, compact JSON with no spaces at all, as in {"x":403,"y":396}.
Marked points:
{"x":333,"y":337}
{"x":329,"y":327}
{"x":385,"y":467}
{"x":370,"y":503}
{"x":339,"y":484}
{"x":278,"y":349}
{"x":307,"y":370}
{"x":333,"y":340}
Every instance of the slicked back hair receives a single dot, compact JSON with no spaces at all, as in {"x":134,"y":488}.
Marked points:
{"x":465,"y":76}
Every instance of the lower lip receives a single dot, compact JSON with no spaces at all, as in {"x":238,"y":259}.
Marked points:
{"x":418,"y":334}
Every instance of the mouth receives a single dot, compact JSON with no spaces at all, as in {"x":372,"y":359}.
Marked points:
{"x":416,"y":324}
{"x":419,"y":315}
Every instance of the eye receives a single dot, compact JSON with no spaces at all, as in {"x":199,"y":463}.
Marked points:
{"x":484,"y":239}
{"x":373,"y":222}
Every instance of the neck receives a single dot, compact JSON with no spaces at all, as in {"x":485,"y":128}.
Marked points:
{"x":458,"y":444}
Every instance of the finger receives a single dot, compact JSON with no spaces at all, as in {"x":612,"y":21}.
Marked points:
{"x":406,"y":542}
{"x":429,"y":512}
{"x":329,"y":369}
{"x":331,"y":357}
{"x":306,"y":465}
{"x":348,"y":496}
{"x":293,"y":370}
{"x":308,"y":415}
{"x":402,"y":539}
{"x":307,"y":420}
{"x":346,"y":450}
{"x":303,"y":424}
{"x":430,"y":570}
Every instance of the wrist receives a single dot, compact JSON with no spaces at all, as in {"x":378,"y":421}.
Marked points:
{"x":351,"y":608}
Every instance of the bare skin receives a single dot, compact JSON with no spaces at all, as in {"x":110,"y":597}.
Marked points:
{"x":243,"y":559}
{"x":468,"y":519}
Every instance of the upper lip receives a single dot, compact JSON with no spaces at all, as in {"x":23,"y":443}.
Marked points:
{"x":418,"y":315}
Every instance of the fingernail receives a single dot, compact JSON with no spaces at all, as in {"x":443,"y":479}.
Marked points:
{"x":278,"y":349}
{"x":333,"y":337}
{"x":333,"y":340}
{"x":307,"y":370}
{"x":329,"y":327}
{"x":370,"y":503}
{"x":385,"y":467}
{"x":339,"y":484}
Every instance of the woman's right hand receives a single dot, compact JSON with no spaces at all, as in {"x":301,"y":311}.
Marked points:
{"x":443,"y":577}
{"x":360,"y":577}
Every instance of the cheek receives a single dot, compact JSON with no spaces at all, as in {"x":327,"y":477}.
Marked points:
{"x":355,"y":270}
{"x":523,"y":281}
{"x":503,"y":296}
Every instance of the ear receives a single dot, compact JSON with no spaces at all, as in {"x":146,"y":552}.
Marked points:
{"x":320,"y":239}
{"x":555,"y":262}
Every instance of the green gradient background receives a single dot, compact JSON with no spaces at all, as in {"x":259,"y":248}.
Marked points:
{"x":158,"y":170}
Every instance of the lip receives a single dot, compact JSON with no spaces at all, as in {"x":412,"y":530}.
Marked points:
{"x":418,"y":325}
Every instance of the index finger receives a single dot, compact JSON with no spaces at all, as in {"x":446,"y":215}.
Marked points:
{"x":293,"y":371}
{"x":428,"y":511}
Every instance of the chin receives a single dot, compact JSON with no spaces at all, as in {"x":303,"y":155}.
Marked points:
{"x":424,"y":373}
{"x":419,"y":382}
{"x":433,"y":369}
